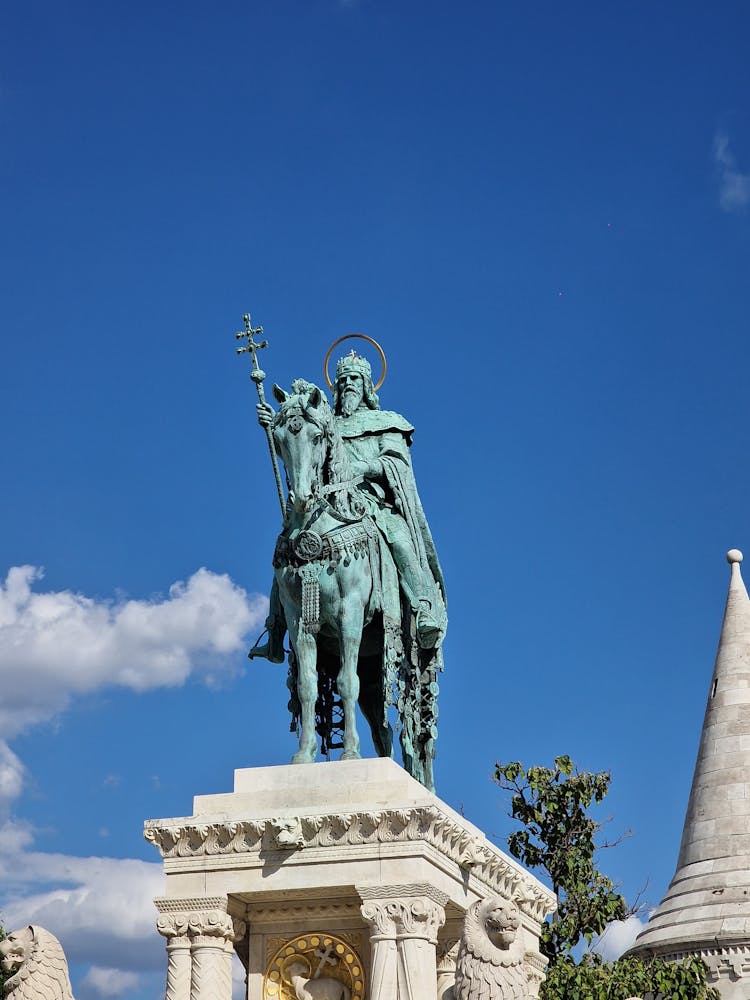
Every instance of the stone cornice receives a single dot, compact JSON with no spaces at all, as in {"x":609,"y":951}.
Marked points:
{"x":216,"y":837}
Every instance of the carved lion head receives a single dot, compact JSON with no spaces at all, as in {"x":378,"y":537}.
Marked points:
{"x":35,"y":961}
{"x":16,"y":949}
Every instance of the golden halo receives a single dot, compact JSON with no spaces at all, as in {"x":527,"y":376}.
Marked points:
{"x":361,"y":336}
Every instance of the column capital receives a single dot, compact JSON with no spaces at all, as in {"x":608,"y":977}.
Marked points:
{"x":206,"y":918}
{"x":403,"y":911}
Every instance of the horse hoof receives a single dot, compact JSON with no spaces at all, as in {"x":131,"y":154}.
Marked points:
{"x":304,"y":757}
{"x":351,"y":755}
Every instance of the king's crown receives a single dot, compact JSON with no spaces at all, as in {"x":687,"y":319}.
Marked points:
{"x":353,"y":363}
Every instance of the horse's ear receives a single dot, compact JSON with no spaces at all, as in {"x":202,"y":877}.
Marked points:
{"x":316,"y":396}
{"x":279,"y":394}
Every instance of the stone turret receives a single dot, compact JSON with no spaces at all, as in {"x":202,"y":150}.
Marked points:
{"x":706,"y":909}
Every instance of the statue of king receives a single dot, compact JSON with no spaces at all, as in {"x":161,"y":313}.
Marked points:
{"x":362,"y":484}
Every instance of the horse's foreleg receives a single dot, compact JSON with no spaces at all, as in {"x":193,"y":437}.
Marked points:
{"x":307,"y":691}
{"x":347,"y":681}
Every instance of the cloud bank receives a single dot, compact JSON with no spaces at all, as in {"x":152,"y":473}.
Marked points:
{"x":53,"y":647}
{"x":618,"y":937}
{"x":734,"y":186}
{"x":58,"y":644}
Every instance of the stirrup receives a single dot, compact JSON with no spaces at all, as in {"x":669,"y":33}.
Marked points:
{"x":264,"y":652}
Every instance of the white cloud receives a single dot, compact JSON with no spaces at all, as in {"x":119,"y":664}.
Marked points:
{"x":101,"y":982}
{"x":12,"y":773}
{"x":57,"y":644}
{"x":618,"y":937}
{"x":734,"y":186}
{"x":101,"y":909}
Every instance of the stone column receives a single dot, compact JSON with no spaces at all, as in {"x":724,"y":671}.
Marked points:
{"x":213,"y":934}
{"x":174,"y":927}
{"x":404,"y":921}
{"x":200,"y":941}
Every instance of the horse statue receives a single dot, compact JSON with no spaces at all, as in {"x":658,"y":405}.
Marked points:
{"x":351,"y":643}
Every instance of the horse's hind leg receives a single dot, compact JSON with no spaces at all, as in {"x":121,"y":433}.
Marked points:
{"x":372,"y":704}
{"x":307,"y":691}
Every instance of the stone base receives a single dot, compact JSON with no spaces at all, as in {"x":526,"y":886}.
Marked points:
{"x":344,"y":872}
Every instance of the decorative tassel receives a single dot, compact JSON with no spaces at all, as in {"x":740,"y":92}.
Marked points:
{"x":310,"y":598}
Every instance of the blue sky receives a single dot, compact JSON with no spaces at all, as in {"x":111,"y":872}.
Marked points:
{"x":541,"y":211}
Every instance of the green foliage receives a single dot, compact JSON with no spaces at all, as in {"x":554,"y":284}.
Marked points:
{"x":594,"y":979}
{"x":3,"y":977}
{"x":558,"y":837}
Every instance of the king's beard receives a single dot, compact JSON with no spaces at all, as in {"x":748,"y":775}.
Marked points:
{"x":350,"y":400}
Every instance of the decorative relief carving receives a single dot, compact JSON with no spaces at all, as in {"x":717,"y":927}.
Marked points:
{"x":287,"y":833}
{"x":731,"y":962}
{"x":414,"y":918}
{"x":213,"y":923}
{"x":215,"y":838}
{"x":317,"y":966}
{"x":447,"y":953}
{"x":274,"y":942}
{"x":404,"y":916}
{"x":427,"y":823}
{"x":316,"y":911}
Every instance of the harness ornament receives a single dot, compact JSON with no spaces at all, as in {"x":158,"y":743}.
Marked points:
{"x":308,"y":545}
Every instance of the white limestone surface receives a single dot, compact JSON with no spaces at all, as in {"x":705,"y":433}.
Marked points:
{"x":706,"y":909}
{"x":357,"y":849}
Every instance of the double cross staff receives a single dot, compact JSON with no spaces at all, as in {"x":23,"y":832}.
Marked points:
{"x":257,"y":375}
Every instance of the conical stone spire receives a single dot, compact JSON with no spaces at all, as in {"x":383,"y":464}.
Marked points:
{"x":706,"y":909}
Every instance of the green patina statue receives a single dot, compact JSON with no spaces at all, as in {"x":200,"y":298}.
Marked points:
{"x":357,"y":581}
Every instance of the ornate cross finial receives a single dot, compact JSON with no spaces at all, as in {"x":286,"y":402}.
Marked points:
{"x":257,"y":375}
{"x":251,"y":347}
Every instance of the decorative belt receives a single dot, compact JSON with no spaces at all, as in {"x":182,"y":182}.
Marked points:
{"x":310,"y":547}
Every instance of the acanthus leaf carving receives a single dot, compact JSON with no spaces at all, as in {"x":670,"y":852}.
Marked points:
{"x":428,"y":824}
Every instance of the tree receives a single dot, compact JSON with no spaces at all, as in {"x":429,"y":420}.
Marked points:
{"x":557,"y":836}
{"x":3,"y":977}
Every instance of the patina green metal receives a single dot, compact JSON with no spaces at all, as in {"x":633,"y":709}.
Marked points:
{"x":357,"y":581}
{"x":258,"y":376}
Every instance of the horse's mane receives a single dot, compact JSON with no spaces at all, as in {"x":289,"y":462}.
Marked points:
{"x":309,"y":402}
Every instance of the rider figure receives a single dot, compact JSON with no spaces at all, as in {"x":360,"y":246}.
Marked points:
{"x":377,"y":442}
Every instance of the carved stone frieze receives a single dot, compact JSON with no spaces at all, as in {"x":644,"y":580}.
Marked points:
{"x":314,"y":910}
{"x":427,"y":824}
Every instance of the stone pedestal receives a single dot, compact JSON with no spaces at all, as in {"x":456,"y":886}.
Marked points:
{"x":347,"y":871}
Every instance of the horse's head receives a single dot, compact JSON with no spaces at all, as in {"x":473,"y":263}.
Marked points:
{"x":302,"y":431}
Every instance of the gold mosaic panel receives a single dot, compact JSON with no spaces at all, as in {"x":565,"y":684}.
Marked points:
{"x":311,"y":957}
